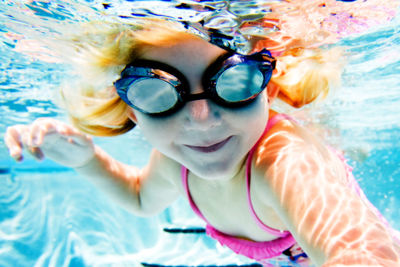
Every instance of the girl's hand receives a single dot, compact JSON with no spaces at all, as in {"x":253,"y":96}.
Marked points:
{"x":50,"y":138}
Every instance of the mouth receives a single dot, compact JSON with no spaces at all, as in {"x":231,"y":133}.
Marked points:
{"x":210,"y":148}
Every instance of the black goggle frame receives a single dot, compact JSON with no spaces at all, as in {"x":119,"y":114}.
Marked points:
{"x":144,"y":69}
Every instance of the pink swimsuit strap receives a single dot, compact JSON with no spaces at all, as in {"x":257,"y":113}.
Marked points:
{"x":184,"y":175}
{"x":271,"y":122}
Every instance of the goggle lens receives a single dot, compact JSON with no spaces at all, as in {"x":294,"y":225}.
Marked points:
{"x":152,"y":95}
{"x":239,"y":83}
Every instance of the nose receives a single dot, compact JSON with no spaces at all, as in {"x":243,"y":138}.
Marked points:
{"x":201,"y":115}
{"x":199,"y":110}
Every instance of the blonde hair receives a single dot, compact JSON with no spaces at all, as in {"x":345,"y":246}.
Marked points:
{"x":99,"y":54}
{"x":104,"y":49}
{"x":305,"y":75}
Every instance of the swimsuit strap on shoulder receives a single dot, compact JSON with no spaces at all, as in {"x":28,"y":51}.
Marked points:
{"x":271,"y":122}
{"x":184,"y":176}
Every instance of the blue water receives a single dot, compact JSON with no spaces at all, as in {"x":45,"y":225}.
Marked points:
{"x":49,"y":216}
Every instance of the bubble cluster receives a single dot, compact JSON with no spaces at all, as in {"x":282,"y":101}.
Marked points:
{"x":219,"y":21}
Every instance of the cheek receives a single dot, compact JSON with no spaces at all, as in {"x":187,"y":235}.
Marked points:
{"x":255,"y":112}
{"x":158,"y":131}
{"x":252,"y":120}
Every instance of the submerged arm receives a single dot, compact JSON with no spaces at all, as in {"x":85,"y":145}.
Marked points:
{"x":144,"y":191}
{"x":312,"y":194}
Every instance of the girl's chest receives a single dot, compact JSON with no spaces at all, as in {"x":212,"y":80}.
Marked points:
{"x":226,"y":206}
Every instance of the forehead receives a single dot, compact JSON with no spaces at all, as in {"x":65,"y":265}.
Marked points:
{"x":191,"y":51}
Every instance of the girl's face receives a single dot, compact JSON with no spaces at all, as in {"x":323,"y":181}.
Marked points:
{"x":210,"y":140}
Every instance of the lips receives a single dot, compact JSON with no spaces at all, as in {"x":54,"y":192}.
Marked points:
{"x":210,"y":148}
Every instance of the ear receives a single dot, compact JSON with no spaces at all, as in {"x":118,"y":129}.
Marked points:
{"x":272,"y":90}
{"x":132,"y":116}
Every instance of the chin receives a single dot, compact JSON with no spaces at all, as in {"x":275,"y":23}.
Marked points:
{"x":214,"y":172}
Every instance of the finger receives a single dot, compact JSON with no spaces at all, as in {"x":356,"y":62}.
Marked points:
{"x":36,"y":153}
{"x":13,"y":141}
{"x":28,"y":143}
{"x":81,"y":140}
{"x":45,"y":126}
{"x":68,"y":129}
{"x":76,"y":136}
{"x":39,"y":129}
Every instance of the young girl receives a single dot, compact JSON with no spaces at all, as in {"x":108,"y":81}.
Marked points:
{"x":264,"y":185}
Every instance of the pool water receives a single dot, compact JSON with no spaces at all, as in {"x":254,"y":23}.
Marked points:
{"x":50,"y":216}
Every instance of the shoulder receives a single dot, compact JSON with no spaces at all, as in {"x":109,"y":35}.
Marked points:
{"x":163,"y":168}
{"x":308,"y":187}
{"x":286,"y":138}
{"x":289,"y":153}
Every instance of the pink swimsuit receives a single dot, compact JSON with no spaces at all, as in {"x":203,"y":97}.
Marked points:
{"x":252,"y":249}
{"x":284,"y":249}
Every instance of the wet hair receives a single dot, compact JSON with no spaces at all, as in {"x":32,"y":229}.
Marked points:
{"x":306,"y":75}
{"x":104,"y":49}
{"x":99,"y":53}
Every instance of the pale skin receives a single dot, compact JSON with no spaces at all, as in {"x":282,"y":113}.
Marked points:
{"x":298,"y":184}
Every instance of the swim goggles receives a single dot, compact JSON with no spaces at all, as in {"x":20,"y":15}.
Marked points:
{"x":233,"y":80}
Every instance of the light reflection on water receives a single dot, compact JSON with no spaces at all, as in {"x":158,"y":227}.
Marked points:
{"x":51,"y":217}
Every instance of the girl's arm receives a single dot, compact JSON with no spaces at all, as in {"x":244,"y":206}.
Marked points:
{"x":143,"y":192}
{"x":309,"y":188}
